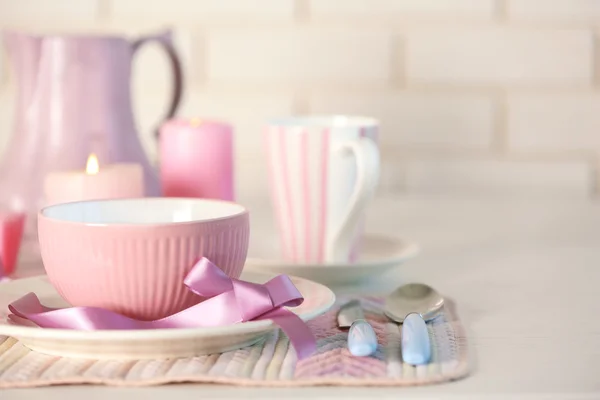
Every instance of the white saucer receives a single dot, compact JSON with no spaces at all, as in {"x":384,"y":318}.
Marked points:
{"x":139,"y":344}
{"x":378,"y":255}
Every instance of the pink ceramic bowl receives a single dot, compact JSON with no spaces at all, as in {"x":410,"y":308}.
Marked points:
{"x":132,"y":255}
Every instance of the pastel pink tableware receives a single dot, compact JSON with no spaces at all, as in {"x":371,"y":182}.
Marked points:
{"x":11,"y":233}
{"x":73,"y":98}
{"x":323,"y":173}
{"x":196,"y":159}
{"x":131,"y":256}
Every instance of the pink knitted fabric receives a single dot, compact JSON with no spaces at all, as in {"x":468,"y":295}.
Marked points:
{"x":272,"y":362}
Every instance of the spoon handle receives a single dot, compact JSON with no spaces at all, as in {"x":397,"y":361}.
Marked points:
{"x":416,"y":347}
{"x":362,"y":340}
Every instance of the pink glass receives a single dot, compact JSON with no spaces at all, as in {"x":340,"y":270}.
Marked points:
{"x":196,"y":159}
{"x":73,"y":98}
{"x":11,"y":234}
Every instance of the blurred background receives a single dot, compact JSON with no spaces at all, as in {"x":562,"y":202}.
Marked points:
{"x":475,"y":97}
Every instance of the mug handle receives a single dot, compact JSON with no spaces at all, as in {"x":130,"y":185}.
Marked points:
{"x":366,"y":154}
{"x":165,"y":39}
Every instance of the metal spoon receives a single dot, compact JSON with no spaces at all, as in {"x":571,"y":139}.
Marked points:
{"x":412,"y":305}
{"x":413,"y":298}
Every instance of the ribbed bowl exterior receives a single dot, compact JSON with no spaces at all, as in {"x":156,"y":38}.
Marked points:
{"x":138,"y":270}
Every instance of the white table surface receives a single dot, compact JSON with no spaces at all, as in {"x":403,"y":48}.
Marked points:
{"x":525,"y":275}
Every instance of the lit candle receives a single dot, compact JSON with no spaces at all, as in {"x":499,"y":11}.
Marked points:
{"x":120,"y":180}
{"x":196,"y":159}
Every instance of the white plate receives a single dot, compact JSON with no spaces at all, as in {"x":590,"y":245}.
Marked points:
{"x":378,"y":255}
{"x":138,"y":344}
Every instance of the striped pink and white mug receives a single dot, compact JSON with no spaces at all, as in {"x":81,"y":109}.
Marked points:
{"x":323,"y":172}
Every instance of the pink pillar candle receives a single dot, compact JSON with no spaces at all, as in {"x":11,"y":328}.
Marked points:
{"x":11,"y":233}
{"x":123,"y":180}
{"x":196,"y":159}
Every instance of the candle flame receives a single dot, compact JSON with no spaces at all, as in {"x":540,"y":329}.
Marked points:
{"x":195,"y":122}
{"x":92,"y":166}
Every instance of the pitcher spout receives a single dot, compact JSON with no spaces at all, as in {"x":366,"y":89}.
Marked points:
{"x":24,"y":53}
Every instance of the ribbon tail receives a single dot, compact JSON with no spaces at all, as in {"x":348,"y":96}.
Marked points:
{"x":300,"y":335}
{"x":26,"y":305}
{"x":79,"y":318}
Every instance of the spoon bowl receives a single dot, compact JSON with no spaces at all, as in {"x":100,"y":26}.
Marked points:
{"x":413,"y":298}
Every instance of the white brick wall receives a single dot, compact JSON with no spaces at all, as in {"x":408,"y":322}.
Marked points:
{"x":202,"y":10}
{"x":461,"y":121}
{"x":474,"y":96}
{"x":497,"y":176}
{"x":500,"y":56}
{"x":554,"y":122}
{"x":554,"y":10}
{"x":35,"y":12}
{"x":249,"y":110}
{"x":401,"y":8}
{"x":298,"y":57}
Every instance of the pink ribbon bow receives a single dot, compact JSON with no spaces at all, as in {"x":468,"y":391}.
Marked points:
{"x":229,"y":301}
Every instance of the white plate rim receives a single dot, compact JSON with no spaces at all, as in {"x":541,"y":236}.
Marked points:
{"x":166,"y":333}
{"x":408,"y":250}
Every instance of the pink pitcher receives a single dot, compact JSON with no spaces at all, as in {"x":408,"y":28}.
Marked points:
{"x":73,"y":99}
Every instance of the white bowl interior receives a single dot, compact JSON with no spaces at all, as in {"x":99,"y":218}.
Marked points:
{"x":142,"y":211}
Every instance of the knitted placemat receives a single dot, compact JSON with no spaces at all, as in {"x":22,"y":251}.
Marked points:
{"x":272,"y":362}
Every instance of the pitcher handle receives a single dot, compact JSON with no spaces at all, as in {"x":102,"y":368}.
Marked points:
{"x":165,"y":39}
